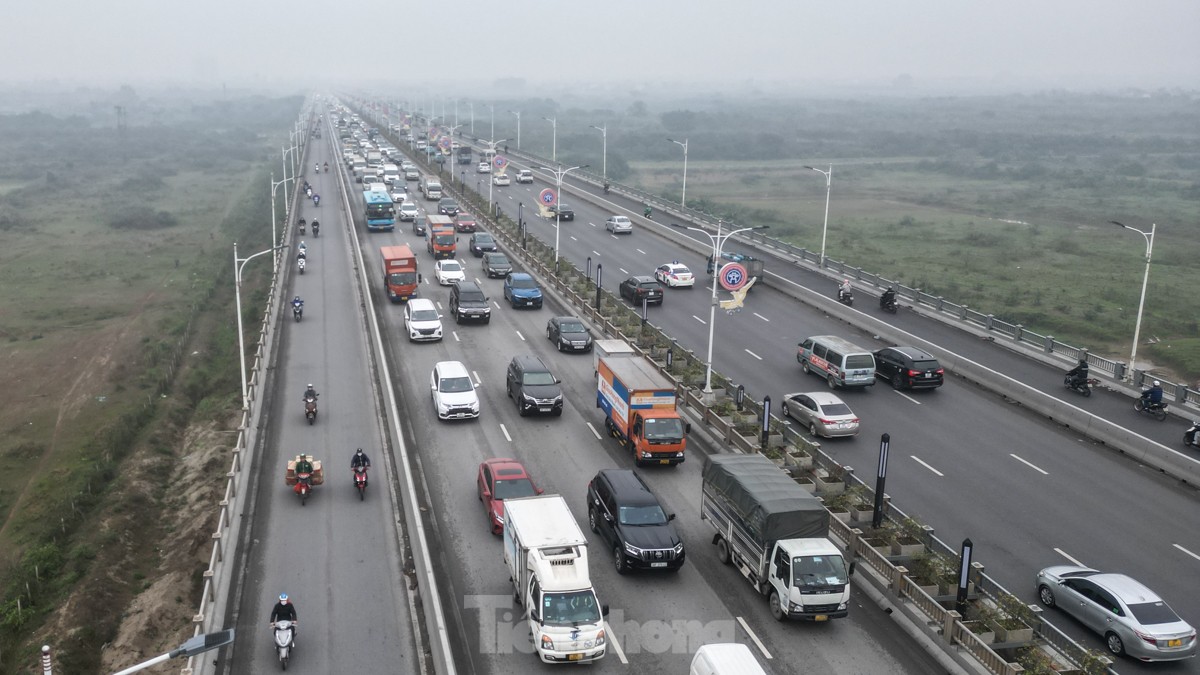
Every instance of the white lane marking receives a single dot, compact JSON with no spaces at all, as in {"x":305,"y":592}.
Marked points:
{"x":592,"y":224}
{"x":1029,"y":464}
{"x":455,"y":334}
{"x":612,"y":639}
{"x":761,"y":648}
{"x":594,"y":432}
{"x":496,"y":304}
{"x":918,"y":461}
{"x":521,"y":336}
{"x":506,"y":436}
{"x":640,"y":251}
{"x":1063,"y":554}
{"x":754,"y":355}
{"x":762,"y":317}
{"x":907,"y":396}
{"x":596,"y":253}
{"x":700,"y":320}
{"x":1197,"y":557}
{"x":478,"y":382}
{"x":622,"y":270}
{"x":574,"y":238}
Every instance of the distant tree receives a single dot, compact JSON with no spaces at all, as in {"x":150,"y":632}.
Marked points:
{"x":638,"y":109}
{"x":142,"y":218}
{"x":679,"y":121}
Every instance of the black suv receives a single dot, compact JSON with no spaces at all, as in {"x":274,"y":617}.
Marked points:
{"x":496,"y":265}
{"x":448,"y":207}
{"x":468,"y":303}
{"x":532,"y":386}
{"x":563,"y":211}
{"x":623,"y":510}
{"x":638,"y":287}
{"x":908,"y":368}
{"x":481,"y":242}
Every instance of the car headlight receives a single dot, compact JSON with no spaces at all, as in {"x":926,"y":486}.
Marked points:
{"x":600,"y":638}
{"x":547,"y":644}
{"x":843,"y":606}
{"x":633,"y":550}
{"x":526,"y":397}
{"x":558,"y":399}
{"x":679,"y":548}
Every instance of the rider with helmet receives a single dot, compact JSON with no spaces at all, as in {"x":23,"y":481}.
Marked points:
{"x":297,"y":304}
{"x":360,"y":459}
{"x":888,"y":299}
{"x":1079,"y":374}
{"x":844,"y":289}
{"x":1152,"y":397}
{"x":326,"y":167}
{"x":285,"y":610}
{"x":311,"y":393}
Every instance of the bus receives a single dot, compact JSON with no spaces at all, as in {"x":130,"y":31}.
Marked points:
{"x":379,"y":212}
{"x":464,"y":154}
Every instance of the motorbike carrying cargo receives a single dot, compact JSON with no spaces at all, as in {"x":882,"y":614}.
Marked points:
{"x":318,"y":474}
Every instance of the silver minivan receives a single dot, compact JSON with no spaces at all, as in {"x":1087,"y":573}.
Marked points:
{"x":841,"y":362}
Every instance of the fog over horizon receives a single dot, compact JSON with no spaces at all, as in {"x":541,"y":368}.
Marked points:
{"x":542,"y":46}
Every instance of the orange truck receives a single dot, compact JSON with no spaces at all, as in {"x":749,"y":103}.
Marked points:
{"x":640,"y":409}
{"x":400,"y":277}
{"x":442,"y":238}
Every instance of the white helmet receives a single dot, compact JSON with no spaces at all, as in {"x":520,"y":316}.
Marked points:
{"x":1157,"y":383}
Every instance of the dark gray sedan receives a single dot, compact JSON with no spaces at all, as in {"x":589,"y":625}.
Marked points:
{"x":568,"y":334}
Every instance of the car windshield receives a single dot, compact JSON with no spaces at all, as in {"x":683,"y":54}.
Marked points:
{"x":563,"y":207}
{"x":513,"y":489}
{"x":483,"y":239}
{"x":663,"y":429}
{"x":536,"y":378}
{"x":647,"y":285}
{"x":571,"y":327}
{"x":570,"y":609}
{"x":444,"y":239}
{"x":521,"y":282}
{"x":925,"y":365}
{"x":818,"y":570}
{"x":425,"y":315}
{"x":454,"y":385}
{"x":451,"y":266}
{"x":860,"y":361}
{"x":1152,"y":613}
{"x":832,"y":409}
{"x":498,"y":260}
{"x":402,"y":278}
{"x":642,"y":515}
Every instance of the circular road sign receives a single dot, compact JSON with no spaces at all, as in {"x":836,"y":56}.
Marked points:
{"x":733,"y":276}
{"x":499,"y":162}
{"x":546,"y":197}
{"x":444,"y":141}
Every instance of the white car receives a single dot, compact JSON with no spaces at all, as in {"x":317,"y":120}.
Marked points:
{"x":408,"y":211}
{"x":453,"y":392}
{"x":399,"y":193}
{"x":525,"y":176}
{"x":675,"y":275}
{"x":448,"y":271}
{"x":823,"y":413}
{"x":619,"y":224}
{"x":501,"y":179}
{"x":422,"y":320}
{"x":484,"y":167}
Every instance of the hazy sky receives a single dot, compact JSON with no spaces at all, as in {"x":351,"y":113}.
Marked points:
{"x":1080,"y":44}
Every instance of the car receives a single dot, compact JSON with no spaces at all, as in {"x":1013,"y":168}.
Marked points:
{"x":480,"y":243}
{"x":483,"y":167}
{"x":408,"y":210}
{"x":1132,"y":619}
{"x":398,"y":193}
{"x":521,"y":290}
{"x":822,"y":413}
{"x":447,"y":207}
{"x":531,"y":385}
{"x":501,"y":180}
{"x":408,"y":166}
{"x":453,"y":391}
{"x":496,"y":264}
{"x":412,"y":174}
{"x":524,"y":176}
{"x":637,"y":287}
{"x":568,"y":334}
{"x":619,"y":224}
{"x":562,"y":211}
{"x":628,"y":516}
{"x":464,"y":222}
{"x":469,"y":303}
{"x":422,"y":321}
{"x":418,"y":225}
{"x":448,"y":271}
{"x":501,"y":478}
{"x":908,"y":368}
{"x":675,"y":275}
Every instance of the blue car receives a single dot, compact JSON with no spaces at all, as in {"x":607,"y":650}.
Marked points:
{"x":520,"y":290}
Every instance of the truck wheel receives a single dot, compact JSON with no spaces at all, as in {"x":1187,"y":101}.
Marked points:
{"x":619,"y":560}
{"x":776,"y":608}
{"x":723,"y":552}
{"x":592,"y":521}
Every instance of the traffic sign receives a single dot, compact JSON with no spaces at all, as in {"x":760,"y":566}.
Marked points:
{"x":733,"y":276}
{"x":444,"y":142}
{"x":547,"y":198}
{"x":499,"y":162}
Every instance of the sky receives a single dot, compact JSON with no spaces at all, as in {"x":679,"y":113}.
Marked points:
{"x":932,"y":44}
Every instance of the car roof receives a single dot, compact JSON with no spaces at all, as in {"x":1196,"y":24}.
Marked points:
{"x":643,"y":279}
{"x":519,"y":275}
{"x":421,"y":303}
{"x":451,"y":369}
{"x":1125,"y":587}
{"x":531,"y":361}
{"x":915,"y":353}
{"x":820,"y":397}
{"x":674,"y":265}
{"x":506,"y":467}
{"x":628,"y":487}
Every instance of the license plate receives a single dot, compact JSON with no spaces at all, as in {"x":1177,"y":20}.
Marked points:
{"x":820,"y":617}
{"x":664,"y":461}
{"x":574,"y":657}
{"x":1175,"y":643}
{"x":658,"y":564}
{"x":543,"y":410}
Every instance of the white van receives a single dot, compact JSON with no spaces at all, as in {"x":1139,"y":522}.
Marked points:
{"x":841,"y":362}
{"x":725,"y":659}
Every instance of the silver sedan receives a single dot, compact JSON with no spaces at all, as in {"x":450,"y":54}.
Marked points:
{"x":822,"y":413}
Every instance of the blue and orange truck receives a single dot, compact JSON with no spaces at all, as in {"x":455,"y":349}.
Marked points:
{"x":639,"y":405}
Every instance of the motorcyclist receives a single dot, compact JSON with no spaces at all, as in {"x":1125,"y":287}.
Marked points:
{"x":310,"y":393}
{"x":316,"y":228}
{"x":360,"y":459}
{"x":1079,"y":374}
{"x":302,"y":250}
{"x":316,"y":200}
{"x":844,"y":289}
{"x":607,"y":186}
{"x":301,"y":223}
{"x":647,"y":211}
{"x":285,"y":610}
{"x":888,"y":298}
{"x":1153,"y":396}
{"x":317,"y":167}
{"x":297,"y":303}
{"x":326,"y":167}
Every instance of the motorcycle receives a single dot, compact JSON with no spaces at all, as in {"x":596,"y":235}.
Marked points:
{"x":303,"y":486}
{"x":285,"y":635}
{"x":310,"y":409}
{"x":316,"y":229}
{"x":1190,"y":436}
{"x":302,"y":227}
{"x":300,"y":262}
{"x":307,"y":191}
{"x":317,"y":168}
{"x":360,"y":481}
{"x":845,"y":297}
{"x":297,"y":312}
{"x":326,"y":167}
{"x":888,"y":303}
{"x":316,"y":200}
{"x":1082,"y":386}
{"x":607,"y":187}
{"x":1158,"y":410}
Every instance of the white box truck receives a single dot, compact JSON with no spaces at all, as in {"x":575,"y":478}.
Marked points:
{"x":725,"y":659}
{"x":776,"y":534}
{"x":546,"y":554}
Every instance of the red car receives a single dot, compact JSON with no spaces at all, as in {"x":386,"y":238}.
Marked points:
{"x":499,"y":479}
{"x":465,"y":222}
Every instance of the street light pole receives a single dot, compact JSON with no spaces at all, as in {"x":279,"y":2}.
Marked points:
{"x":684,"y":144}
{"x":275,"y":237}
{"x":828,"y":188}
{"x":604,"y":156}
{"x":1137,"y":328}
{"x":238,"y":264}
{"x":518,"y":114}
{"x":198,"y":644}
{"x":559,"y":174}
{"x":718,"y":241}
{"x":553,"y":138}
{"x":493,"y":109}
{"x":492,"y":146}
{"x":472,"y":104}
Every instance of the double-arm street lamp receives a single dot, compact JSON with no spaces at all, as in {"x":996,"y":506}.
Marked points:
{"x":604,"y":161}
{"x":553,"y":138}
{"x":238,"y":264}
{"x":492,"y":146}
{"x":828,"y":186}
{"x":718,"y":241}
{"x":274,"y":236}
{"x":518,"y":114}
{"x":559,"y":174}
{"x":1137,"y":328}
{"x":683,"y":199}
